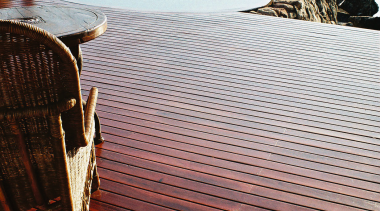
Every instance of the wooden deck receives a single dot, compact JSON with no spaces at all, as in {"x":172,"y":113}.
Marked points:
{"x":235,"y":111}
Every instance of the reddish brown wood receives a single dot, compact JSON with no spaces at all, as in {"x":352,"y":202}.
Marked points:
{"x":30,"y":171}
{"x":292,"y":138}
{"x":334,"y":102}
{"x":181,"y":76}
{"x":72,"y":25}
{"x":258,"y":110}
{"x":5,"y":204}
{"x":265,"y":145}
{"x":101,"y":206}
{"x":259,"y":97}
{"x":250,"y":188}
{"x":236,"y":63}
{"x":157,"y":183}
{"x":238,"y":97}
{"x":257,"y":154}
{"x":226,"y":178}
{"x":125,"y":202}
{"x":234,"y":111}
{"x":133,"y":104}
{"x":235,"y":171}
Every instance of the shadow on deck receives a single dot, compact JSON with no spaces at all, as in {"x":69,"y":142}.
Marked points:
{"x":236,"y":112}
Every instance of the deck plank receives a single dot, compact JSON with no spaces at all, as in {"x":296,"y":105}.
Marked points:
{"x":101,"y":206}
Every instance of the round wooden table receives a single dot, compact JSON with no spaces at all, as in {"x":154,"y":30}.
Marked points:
{"x":72,"y":26}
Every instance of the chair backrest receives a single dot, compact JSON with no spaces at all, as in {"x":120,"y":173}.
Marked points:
{"x":38,"y":80}
{"x":38,"y":69}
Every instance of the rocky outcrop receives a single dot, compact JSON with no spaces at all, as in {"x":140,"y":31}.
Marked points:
{"x":323,"y":11}
{"x":343,"y":12}
{"x":358,"y":13}
{"x":359,"y":7}
{"x":367,"y":22}
{"x":343,"y":16}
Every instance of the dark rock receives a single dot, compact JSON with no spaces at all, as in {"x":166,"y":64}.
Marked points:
{"x":297,"y":3}
{"x":288,"y":7}
{"x":343,"y":16}
{"x":267,"y":11}
{"x":360,"y":7}
{"x":343,"y":12}
{"x":323,"y":11}
{"x":338,"y":2}
{"x":367,"y":22}
{"x":281,"y":12}
{"x":345,"y":24}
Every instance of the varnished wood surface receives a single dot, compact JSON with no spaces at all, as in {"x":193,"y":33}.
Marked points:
{"x":235,"y":112}
{"x":224,"y":111}
{"x":72,"y":25}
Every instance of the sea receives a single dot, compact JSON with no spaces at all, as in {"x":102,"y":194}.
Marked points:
{"x":183,"y":5}
{"x":378,"y":13}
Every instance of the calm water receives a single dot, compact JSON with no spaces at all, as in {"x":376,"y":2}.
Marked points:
{"x":179,"y":5}
{"x":183,"y":5}
{"x":378,"y":13}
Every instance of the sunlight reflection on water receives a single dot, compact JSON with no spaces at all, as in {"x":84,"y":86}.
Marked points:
{"x":378,"y":13}
{"x":179,"y":5}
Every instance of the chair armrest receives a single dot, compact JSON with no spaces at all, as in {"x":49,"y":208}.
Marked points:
{"x":89,"y":113}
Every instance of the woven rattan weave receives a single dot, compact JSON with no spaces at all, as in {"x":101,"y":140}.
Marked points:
{"x":47,"y":157}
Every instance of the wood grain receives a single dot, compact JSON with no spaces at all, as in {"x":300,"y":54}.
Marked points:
{"x":72,"y":25}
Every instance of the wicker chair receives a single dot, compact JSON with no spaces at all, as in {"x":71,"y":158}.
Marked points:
{"x":47,"y":157}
